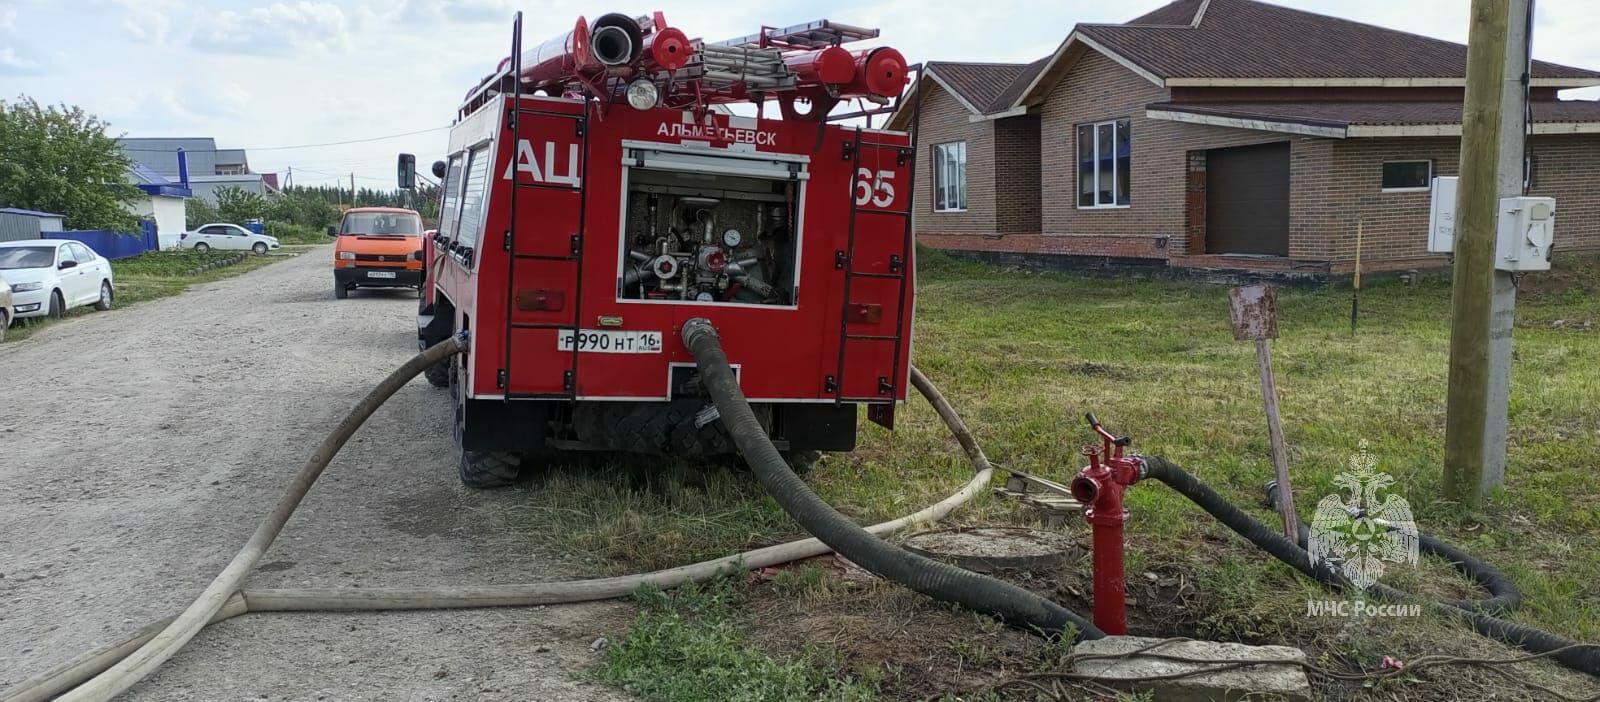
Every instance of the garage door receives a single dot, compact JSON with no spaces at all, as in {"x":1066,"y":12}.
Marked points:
{"x":1247,"y":200}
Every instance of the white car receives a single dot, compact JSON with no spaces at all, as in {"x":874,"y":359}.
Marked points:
{"x":224,"y":236}
{"x":5,"y":308}
{"x":50,"y":276}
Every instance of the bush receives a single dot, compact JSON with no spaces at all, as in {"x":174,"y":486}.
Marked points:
{"x":200,"y":212}
{"x":239,"y":206}
{"x":302,"y":209}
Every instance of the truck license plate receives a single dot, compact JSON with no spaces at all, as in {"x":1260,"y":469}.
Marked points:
{"x":610,"y":341}
{"x":379,"y":274}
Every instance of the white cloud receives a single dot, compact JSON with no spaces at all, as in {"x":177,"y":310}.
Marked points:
{"x":15,"y":64}
{"x":273,"y":29}
{"x":427,"y":11}
{"x":146,"y":20}
{"x":8,"y":19}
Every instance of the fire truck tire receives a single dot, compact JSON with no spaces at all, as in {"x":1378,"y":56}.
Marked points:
{"x":488,"y":469}
{"x":801,"y":462}
{"x":438,"y":374}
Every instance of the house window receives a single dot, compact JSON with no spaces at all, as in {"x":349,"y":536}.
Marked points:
{"x":1407,"y":175}
{"x":1105,"y":169}
{"x":950,"y":177}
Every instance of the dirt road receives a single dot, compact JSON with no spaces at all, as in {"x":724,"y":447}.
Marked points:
{"x":138,"y":449}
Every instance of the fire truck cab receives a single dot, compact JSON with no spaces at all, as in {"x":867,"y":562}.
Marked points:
{"x":579,"y":231}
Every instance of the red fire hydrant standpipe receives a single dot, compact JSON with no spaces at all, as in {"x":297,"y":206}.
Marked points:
{"x":1099,"y":487}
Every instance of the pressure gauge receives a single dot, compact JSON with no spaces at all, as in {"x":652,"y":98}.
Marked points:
{"x":732,"y":238}
{"x":704,"y":297}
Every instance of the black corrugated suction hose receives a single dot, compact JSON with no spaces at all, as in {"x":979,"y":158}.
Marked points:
{"x":941,"y":581}
{"x":1504,"y":595}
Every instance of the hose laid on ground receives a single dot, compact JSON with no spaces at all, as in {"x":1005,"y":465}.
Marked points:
{"x":117,"y":666}
{"x":1585,"y":659}
{"x":96,"y":663}
{"x":936,"y":579}
{"x":1503,"y":594}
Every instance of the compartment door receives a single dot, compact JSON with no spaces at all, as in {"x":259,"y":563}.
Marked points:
{"x":544,"y":242}
{"x":872,"y":362}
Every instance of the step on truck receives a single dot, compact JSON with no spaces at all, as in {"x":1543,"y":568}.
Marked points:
{"x":605,"y":186}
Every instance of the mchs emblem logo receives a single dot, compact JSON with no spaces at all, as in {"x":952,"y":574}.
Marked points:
{"x":1359,"y":533}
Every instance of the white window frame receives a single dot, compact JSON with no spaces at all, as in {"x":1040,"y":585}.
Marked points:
{"x":940,"y":158}
{"x":1422,"y":189}
{"x":1094,"y":133}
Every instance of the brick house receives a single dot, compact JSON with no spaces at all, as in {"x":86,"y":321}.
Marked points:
{"x":1223,"y":134}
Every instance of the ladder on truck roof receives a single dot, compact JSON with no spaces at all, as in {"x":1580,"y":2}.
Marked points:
{"x":809,"y":35}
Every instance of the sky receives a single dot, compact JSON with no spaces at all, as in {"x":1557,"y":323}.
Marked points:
{"x":262,"y":75}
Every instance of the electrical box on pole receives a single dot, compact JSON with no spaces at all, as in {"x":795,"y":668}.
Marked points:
{"x":1524,"y":231}
{"x":1525,"y":234}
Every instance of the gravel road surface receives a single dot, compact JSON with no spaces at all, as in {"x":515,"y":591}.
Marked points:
{"x":139,"y":448}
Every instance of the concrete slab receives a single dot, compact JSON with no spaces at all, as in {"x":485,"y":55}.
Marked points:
{"x":1269,"y":681}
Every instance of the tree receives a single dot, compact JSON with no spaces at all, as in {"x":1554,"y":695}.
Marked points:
{"x":60,"y":159}
{"x":199,"y":212}
{"x":238,"y":205}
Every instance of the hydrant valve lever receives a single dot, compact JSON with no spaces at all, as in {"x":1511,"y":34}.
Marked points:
{"x":1099,"y":487}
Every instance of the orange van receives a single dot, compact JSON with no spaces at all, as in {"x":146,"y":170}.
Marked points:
{"x":377,"y":247}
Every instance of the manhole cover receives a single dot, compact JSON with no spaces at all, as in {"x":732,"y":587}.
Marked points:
{"x":987,"y":549}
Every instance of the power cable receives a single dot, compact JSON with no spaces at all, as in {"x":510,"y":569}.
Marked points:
{"x":303,"y":146}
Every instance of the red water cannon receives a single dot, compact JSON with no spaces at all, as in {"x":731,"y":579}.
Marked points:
{"x":1099,"y":487}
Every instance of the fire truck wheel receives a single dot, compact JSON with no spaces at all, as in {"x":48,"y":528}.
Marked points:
{"x":438,"y":374}
{"x":801,"y":461}
{"x":488,"y":469}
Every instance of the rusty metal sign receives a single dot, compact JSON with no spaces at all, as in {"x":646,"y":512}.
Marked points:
{"x":1254,"y":310}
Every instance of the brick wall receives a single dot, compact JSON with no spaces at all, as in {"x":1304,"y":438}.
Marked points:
{"x":1564,"y":167}
{"x":944,"y":120}
{"x":1016,"y":174}
{"x":1395,"y":224}
{"x":1097,"y":89}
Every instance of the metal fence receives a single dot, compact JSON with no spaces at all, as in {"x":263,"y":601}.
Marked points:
{"x":115,"y":245}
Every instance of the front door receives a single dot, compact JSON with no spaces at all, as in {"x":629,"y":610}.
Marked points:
{"x":1247,"y":200}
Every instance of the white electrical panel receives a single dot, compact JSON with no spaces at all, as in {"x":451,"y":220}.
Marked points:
{"x":1525,"y":235}
{"x":1442,"y":216}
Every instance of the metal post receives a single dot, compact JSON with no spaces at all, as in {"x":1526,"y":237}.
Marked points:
{"x":1512,"y":176}
{"x":1467,"y":413}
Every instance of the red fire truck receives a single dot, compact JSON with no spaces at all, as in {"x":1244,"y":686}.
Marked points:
{"x":600,"y":190}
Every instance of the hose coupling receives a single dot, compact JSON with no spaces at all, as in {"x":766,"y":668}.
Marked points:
{"x":695,"y":328}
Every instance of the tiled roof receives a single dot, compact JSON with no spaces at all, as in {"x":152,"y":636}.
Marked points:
{"x":1180,"y":13}
{"x":989,"y":87}
{"x":1249,"y":39}
{"x":1345,"y":114}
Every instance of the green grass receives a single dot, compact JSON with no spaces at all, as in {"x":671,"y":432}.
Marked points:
{"x":150,"y":276}
{"x":690,"y":645}
{"x":1023,"y":355}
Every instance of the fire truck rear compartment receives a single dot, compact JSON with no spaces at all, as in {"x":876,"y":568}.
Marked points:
{"x":702,"y":236}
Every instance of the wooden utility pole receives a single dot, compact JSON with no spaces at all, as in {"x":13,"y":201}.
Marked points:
{"x":1477,"y":196}
{"x":353,"y":189}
